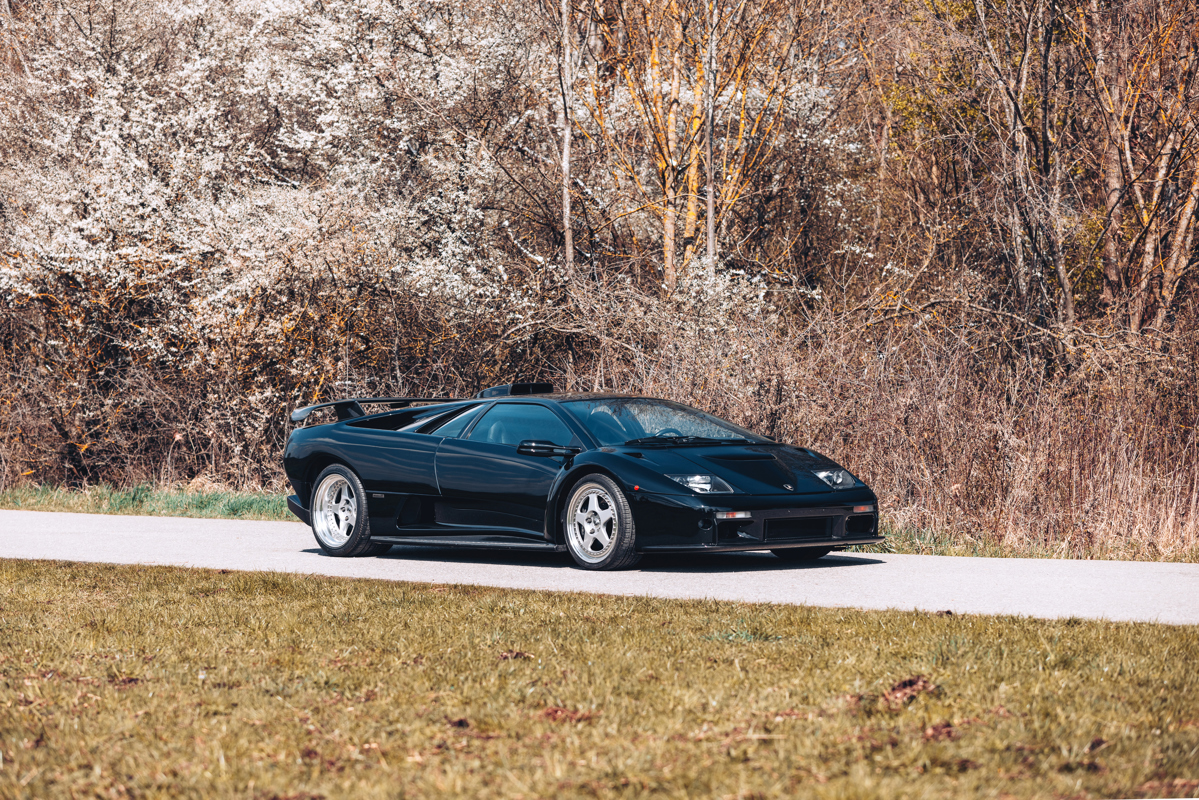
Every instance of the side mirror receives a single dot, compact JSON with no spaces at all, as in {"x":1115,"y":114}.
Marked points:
{"x":537,"y":447}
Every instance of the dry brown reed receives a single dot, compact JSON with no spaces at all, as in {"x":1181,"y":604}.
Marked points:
{"x":995,"y":456}
{"x":967,"y":434}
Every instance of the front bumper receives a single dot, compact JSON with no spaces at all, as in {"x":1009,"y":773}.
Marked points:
{"x":673,"y":523}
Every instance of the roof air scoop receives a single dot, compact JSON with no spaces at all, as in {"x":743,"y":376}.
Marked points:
{"x":351,"y":407}
{"x":510,"y":389}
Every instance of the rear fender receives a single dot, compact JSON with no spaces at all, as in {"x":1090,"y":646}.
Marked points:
{"x":305,"y":471}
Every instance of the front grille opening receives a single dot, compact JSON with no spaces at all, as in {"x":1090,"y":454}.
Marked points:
{"x":862,"y":525}
{"x":727,"y":532}
{"x":798,"y":529}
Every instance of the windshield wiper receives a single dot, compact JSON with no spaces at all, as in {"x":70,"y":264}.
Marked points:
{"x":684,"y":440}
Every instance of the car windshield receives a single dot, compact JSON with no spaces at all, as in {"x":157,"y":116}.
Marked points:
{"x":638,"y":420}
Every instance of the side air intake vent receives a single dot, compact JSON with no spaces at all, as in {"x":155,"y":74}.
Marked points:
{"x":517,"y":388}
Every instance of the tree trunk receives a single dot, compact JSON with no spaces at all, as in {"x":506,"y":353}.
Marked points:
{"x":1150,"y":213}
{"x":566,"y":77}
{"x":665,"y":112}
{"x":1179,"y":256}
{"x":691,"y":218}
{"x":710,"y":169}
{"x":670,"y":167}
{"x":1108,"y":81}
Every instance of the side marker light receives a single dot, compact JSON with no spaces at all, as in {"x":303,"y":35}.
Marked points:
{"x":862,"y":509}
{"x":733,"y":515}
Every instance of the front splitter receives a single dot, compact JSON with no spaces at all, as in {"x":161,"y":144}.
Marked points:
{"x":758,"y":545}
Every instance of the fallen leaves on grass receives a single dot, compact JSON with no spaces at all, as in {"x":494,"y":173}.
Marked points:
{"x":558,"y":714}
{"x":940,"y":732}
{"x":907,"y":690}
{"x":894,"y":699}
{"x":1178,"y":787}
{"x":871,"y":739}
{"x":791,"y":713}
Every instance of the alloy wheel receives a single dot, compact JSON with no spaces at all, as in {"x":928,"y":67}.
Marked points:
{"x":593,"y":524}
{"x":336,"y":511}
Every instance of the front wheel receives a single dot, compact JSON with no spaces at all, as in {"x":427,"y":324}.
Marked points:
{"x":339,"y":514}
{"x":802,"y":553}
{"x":598,"y":524}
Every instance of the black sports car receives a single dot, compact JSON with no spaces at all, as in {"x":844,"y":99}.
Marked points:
{"x":605,"y":477}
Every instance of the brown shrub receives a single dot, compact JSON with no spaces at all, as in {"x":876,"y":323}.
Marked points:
{"x":963,"y":436}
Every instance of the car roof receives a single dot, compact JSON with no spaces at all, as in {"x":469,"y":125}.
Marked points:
{"x":566,"y":397}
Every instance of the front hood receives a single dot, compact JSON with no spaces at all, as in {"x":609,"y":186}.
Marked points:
{"x":754,"y":469}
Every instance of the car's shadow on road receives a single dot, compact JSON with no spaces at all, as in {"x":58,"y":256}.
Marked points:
{"x":747,"y":562}
{"x":705,"y":563}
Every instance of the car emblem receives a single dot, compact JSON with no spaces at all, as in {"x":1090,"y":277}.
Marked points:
{"x":788,"y":486}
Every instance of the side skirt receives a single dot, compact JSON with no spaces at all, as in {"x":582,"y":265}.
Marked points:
{"x":485,"y":541}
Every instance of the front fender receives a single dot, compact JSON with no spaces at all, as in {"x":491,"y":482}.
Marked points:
{"x":630,"y":474}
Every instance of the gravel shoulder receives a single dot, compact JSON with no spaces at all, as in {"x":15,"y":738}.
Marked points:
{"x":1044,"y":588}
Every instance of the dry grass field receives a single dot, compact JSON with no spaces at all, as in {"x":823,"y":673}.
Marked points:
{"x":164,"y":682}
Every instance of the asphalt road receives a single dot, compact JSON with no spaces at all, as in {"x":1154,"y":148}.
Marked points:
{"x":1047,"y":588}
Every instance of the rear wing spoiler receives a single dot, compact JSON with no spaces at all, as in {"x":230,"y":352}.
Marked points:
{"x":352,"y":407}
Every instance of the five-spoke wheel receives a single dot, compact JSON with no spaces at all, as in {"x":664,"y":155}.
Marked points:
{"x":339,"y":514}
{"x":598,"y":525}
{"x":334,"y":511}
{"x":592,"y":533}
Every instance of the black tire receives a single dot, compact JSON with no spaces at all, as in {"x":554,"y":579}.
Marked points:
{"x":586,"y":521}
{"x":802,"y":553}
{"x":339,"y":530}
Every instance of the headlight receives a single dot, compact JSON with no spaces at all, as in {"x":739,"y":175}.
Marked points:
{"x":704,"y":484}
{"x":836,"y":478}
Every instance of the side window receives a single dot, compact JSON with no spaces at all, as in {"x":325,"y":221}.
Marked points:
{"x":513,"y":423}
{"x":425,"y":418}
{"x":458,"y":424}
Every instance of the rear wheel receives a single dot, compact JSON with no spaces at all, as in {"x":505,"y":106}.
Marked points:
{"x":340,"y":521}
{"x":598,"y":525}
{"x":802,"y":553}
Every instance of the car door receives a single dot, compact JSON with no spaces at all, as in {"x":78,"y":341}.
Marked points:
{"x":395,"y":462}
{"x":485,"y":483}
{"x":396,"y":468}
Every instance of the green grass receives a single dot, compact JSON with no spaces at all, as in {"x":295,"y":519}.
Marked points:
{"x":163,"y":682}
{"x":933,"y":542}
{"x":175,"y":502}
{"x":150,"y":501}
